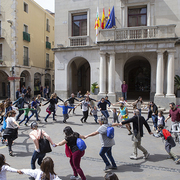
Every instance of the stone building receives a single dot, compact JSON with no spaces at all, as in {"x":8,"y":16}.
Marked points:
{"x":26,"y":39}
{"x":143,"y":49}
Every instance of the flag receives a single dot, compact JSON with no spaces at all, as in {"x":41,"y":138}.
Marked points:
{"x":108,"y":13}
{"x":102,"y":20}
{"x":111,"y":21}
{"x":97,"y":24}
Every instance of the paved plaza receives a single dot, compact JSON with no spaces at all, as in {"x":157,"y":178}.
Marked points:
{"x":156,"y":167}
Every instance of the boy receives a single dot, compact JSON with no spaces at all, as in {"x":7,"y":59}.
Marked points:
{"x":94,"y":113}
{"x":169,"y":142}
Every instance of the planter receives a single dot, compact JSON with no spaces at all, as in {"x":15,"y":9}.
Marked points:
{"x":96,"y":91}
{"x":178,"y":93}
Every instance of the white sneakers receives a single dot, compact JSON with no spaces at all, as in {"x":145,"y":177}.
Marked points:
{"x":133,"y":156}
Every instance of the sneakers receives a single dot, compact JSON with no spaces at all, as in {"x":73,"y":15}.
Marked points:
{"x":113,"y":167}
{"x":133,"y":156}
{"x":64,"y":121}
{"x":130,"y":133}
{"x":146,"y":155}
{"x":107,"y":167}
{"x":177,"y":161}
{"x":74,"y":177}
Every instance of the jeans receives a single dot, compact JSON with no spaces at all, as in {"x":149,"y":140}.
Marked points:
{"x":75,"y":163}
{"x":85,"y":116}
{"x":49,"y":115}
{"x":20,"y":113}
{"x":95,"y":118}
{"x":34,"y":112}
{"x":107,"y":151}
{"x":25,"y":117}
{"x":139,"y":112}
{"x":124,"y":94}
{"x":36,"y":156}
{"x":154,"y":118}
{"x":105,"y":113}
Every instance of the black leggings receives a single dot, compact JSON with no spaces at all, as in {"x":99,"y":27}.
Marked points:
{"x":85,"y":116}
{"x":10,"y":140}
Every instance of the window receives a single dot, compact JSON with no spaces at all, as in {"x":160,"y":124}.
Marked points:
{"x":137,"y":16}
{"x":0,"y":52}
{"x":25,"y":7}
{"x":25,"y":28}
{"x":47,"y":25}
{"x":47,"y":60}
{"x":79,"y":25}
{"x":47,"y":39}
{"x":26,"y":58}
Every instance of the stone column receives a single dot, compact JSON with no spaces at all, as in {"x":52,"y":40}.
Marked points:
{"x":111,"y":77}
{"x":170,"y":74}
{"x":102,"y":78}
{"x":159,"y":74}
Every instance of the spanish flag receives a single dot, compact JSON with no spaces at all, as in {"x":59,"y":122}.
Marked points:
{"x":102,"y":20}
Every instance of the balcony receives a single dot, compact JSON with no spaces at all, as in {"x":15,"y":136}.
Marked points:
{"x":138,"y":33}
{"x":79,"y":41}
{"x":26,"y":36}
{"x":48,"y":45}
{"x":2,"y":33}
{"x":26,"y":61}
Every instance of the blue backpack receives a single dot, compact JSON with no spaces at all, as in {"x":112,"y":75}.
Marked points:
{"x":81,"y":144}
{"x":110,"y":132}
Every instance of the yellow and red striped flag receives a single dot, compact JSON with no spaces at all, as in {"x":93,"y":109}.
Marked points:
{"x":102,"y":20}
{"x":97,"y":24}
{"x":109,"y":13}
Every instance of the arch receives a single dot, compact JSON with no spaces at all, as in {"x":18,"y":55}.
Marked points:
{"x":4,"y":85}
{"x":37,"y":83}
{"x":78,"y":75}
{"x":25,"y":79}
{"x":137,"y":74}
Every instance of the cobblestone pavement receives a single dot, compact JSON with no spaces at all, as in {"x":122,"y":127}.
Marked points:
{"x":158,"y":166}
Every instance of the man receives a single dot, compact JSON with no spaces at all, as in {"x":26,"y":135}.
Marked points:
{"x":35,"y":135}
{"x":124,"y":88}
{"x":71,"y":102}
{"x":48,"y":91}
{"x":17,"y":94}
{"x":44,"y":91}
{"x":138,"y":122}
{"x":34,"y":106}
{"x":20,"y":104}
{"x":79,"y":94}
{"x":106,"y":143}
{"x":175,"y":118}
{"x":103,"y":107}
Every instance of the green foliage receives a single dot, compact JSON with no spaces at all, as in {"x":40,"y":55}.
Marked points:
{"x":177,"y":81}
{"x":93,"y":86}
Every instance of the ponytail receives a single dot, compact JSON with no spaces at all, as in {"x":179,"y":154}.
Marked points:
{"x":10,"y":113}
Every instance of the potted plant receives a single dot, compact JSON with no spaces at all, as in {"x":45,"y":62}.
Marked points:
{"x":93,"y":87}
{"x":177,"y":84}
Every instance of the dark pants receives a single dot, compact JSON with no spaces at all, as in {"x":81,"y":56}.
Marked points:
{"x":25,"y":117}
{"x":36,"y":156}
{"x":124,"y":94}
{"x":49,"y":115}
{"x":10,"y":140}
{"x":75,"y":163}
{"x":95,"y":118}
{"x":85,"y":116}
{"x":107,"y":151}
{"x":66,"y":116}
{"x":34,"y":112}
{"x":20,"y":113}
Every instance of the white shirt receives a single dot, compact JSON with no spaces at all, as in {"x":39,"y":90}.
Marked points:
{"x":4,"y":169}
{"x":85,"y":105}
{"x":10,"y":122}
{"x":160,"y":120}
{"x":36,"y":173}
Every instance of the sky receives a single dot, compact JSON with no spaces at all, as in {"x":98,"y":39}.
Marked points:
{"x":46,"y":4}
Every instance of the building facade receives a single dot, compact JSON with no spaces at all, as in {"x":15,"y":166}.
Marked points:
{"x":27,"y":36}
{"x":143,"y":49}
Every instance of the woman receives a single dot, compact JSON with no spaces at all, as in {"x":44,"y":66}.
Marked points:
{"x":70,"y":140}
{"x":57,"y":98}
{"x":2,"y":111}
{"x":11,"y":132}
{"x":138,"y":103}
{"x":51,"y":107}
{"x":46,"y":171}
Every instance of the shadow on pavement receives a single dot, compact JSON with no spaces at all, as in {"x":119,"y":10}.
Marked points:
{"x":88,"y":177}
{"x":157,"y":157}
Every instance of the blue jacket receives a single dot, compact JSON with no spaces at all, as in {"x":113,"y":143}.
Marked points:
{"x":34,"y":104}
{"x":65,"y":108}
{"x":20,"y":102}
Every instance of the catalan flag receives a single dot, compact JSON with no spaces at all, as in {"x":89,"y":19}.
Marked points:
{"x":109,"y":13}
{"x":97,"y":24}
{"x":102,"y":20}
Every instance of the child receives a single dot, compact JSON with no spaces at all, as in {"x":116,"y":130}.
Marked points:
{"x":65,"y":111}
{"x":26,"y":114}
{"x":115,"y":115}
{"x":5,"y":167}
{"x":169,"y":142}
{"x":94,"y":113}
{"x":161,"y":119}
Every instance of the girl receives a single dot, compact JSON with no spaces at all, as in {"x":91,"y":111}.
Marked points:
{"x":70,"y":140}
{"x":5,"y":167}
{"x":51,"y":107}
{"x":57,"y":98}
{"x":46,"y":171}
{"x":94,"y":113}
{"x":10,"y":132}
{"x":138,"y":103}
{"x":161,"y":119}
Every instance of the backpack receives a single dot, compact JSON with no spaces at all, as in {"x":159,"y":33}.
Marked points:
{"x":81,"y":144}
{"x":110,"y":132}
{"x":166,"y":133}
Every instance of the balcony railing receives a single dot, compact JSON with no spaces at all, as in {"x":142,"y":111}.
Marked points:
{"x":79,"y":41}
{"x":135,"y":33}
{"x":26,"y":36}
{"x":48,"y":27}
{"x":26,"y":61}
{"x":48,"y":45}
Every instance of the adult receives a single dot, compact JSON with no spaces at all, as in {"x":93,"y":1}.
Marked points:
{"x":174,"y":114}
{"x":48,"y":91}
{"x":25,"y":92}
{"x":41,"y":91}
{"x":106,"y":99}
{"x":44,"y":91}
{"x":51,"y":107}
{"x":34,"y":107}
{"x":153,"y":113}
{"x":106,"y":143}
{"x":70,"y":141}
{"x":138,"y":104}
{"x":10,"y":132}
{"x":22,"y":88}
{"x":79,"y":94}
{"x":35,"y":135}
{"x":124,"y":88}
{"x":17,"y":94}
{"x":71,"y":102}
{"x":103,"y":107}
{"x":125,"y":115}
{"x":85,"y":107}
{"x":20,"y":104}
{"x":57,"y":99}
{"x":28,"y":93}
{"x":138,"y":122}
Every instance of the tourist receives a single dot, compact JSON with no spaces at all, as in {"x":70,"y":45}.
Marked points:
{"x":174,"y":114}
{"x":70,"y":140}
{"x":35,"y":135}
{"x":124,"y":88}
{"x":138,"y":122}
{"x":138,"y":103}
{"x":71,"y":102}
{"x":106,"y":143}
